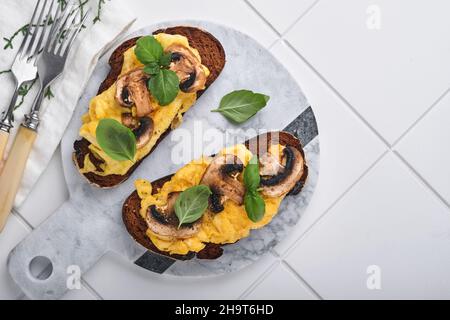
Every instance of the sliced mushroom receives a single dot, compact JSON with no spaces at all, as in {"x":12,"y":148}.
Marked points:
{"x":143,"y":132}
{"x":129,"y":121}
{"x":132,"y":90}
{"x":221,"y":177}
{"x":164,"y":222}
{"x":286,"y":177}
{"x":269,"y":165}
{"x":187,"y":67}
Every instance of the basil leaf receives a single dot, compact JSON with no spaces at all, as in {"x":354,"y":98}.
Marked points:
{"x":165,"y":59}
{"x":253,"y":202}
{"x":152,"y":68}
{"x":255,"y":206}
{"x":164,"y":86}
{"x":239,"y":106}
{"x":148,"y":50}
{"x":192,"y":203}
{"x":251,"y":174}
{"x":116,"y":140}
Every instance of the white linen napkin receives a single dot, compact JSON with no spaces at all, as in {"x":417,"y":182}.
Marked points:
{"x":56,"y":113}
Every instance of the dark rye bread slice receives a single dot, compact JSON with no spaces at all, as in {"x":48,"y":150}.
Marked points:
{"x":137,"y":226}
{"x":213,"y":57}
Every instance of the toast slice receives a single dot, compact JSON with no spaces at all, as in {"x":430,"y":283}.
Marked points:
{"x":137,"y":226}
{"x":213,"y":57}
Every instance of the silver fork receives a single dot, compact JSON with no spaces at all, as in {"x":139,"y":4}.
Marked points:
{"x":53,"y":58}
{"x":50,"y":63}
{"x":24,"y":67}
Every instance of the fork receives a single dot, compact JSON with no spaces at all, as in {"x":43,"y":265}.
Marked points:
{"x":24,"y":67}
{"x":50,"y":64}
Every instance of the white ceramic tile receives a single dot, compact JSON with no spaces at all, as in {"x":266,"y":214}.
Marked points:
{"x":233,"y":13}
{"x":280,"y":284}
{"x":11,"y":235}
{"x":348,"y":147}
{"x":390,"y":75}
{"x":389,"y":220}
{"x":426,"y":148}
{"x":281,"y":14}
{"x":115,"y":278}
{"x":81,"y":294}
{"x":48,"y":194}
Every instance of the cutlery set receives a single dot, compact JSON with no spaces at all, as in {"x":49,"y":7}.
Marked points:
{"x":42,"y":54}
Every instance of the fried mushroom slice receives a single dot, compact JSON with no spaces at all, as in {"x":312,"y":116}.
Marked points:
{"x":143,"y":132}
{"x":282,"y":178}
{"x":187,"y":67}
{"x":129,"y":121}
{"x":131,"y":89}
{"x":164,"y":222}
{"x":221,"y":178}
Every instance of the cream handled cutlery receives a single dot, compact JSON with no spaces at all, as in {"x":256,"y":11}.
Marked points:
{"x":50,"y":64}
{"x":24,"y":67}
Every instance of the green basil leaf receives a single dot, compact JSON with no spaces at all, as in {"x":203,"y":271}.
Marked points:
{"x":152,"y":68}
{"x":255,"y":206}
{"x":192,"y":203}
{"x":239,"y":106}
{"x":164,"y":86}
{"x":165,"y":59}
{"x":148,"y":50}
{"x":251,"y":175}
{"x":116,"y":140}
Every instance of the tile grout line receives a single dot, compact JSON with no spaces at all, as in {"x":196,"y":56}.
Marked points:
{"x":336,"y":92}
{"x":422,"y":180}
{"x":259,"y":280}
{"x":414,"y":124}
{"x":320,"y":218}
{"x":374,"y":131}
{"x":308,"y":10}
{"x":91,"y":289}
{"x":247,"y":2}
{"x":300,"y":279}
{"x":266,"y":273}
{"x":22,"y":220}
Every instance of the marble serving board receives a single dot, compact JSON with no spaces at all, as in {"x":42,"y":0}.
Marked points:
{"x":90,"y":224}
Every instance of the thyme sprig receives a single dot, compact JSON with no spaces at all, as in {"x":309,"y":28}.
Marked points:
{"x":100,"y":3}
{"x":23,"y":92}
{"x":48,"y":93}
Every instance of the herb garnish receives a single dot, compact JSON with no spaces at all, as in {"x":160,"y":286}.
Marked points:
{"x":239,"y":106}
{"x":253,"y":202}
{"x":164,"y":83}
{"x":116,"y":140}
{"x":191,"y":204}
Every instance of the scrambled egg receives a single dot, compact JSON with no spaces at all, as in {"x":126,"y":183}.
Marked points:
{"x":105,"y":106}
{"x":228,"y":226}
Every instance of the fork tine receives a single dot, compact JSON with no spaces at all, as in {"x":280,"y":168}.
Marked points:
{"x":58,"y":30}
{"x":37,"y":29}
{"x":54,"y":32}
{"x":44,"y":31}
{"x":75,"y":33}
{"x":69,"y":27}
{"x":55,"y":22}
{"x":24,"y":41}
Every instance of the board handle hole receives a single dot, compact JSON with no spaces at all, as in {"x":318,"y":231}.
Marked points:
{"x":41,"y":268}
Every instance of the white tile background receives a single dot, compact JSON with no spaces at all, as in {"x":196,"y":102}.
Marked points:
{"x":382,"y":103}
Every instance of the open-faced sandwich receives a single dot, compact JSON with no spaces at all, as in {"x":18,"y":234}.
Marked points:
{"x":218,"y":200}
{"x":153,"y":81}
